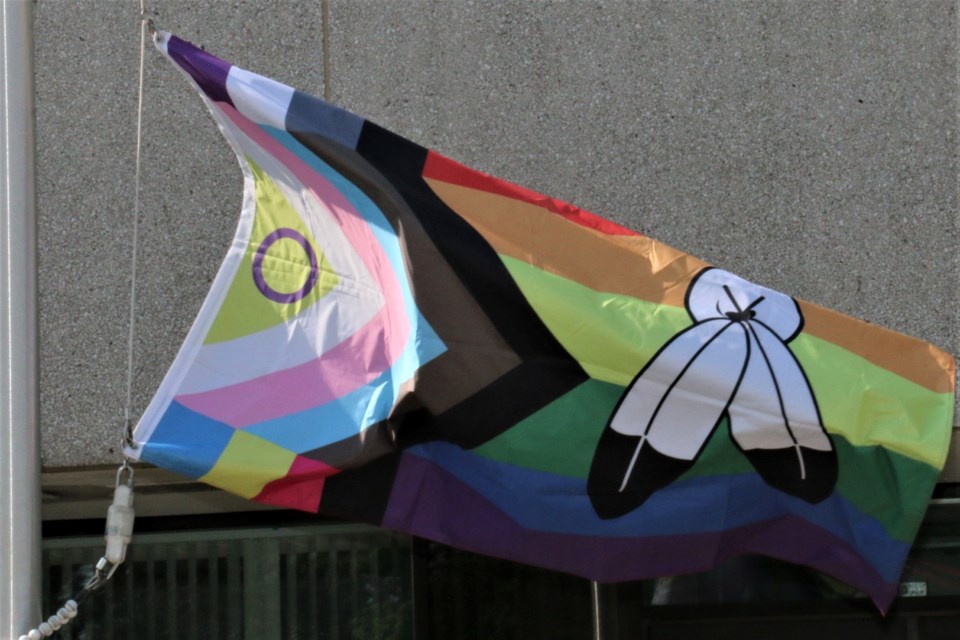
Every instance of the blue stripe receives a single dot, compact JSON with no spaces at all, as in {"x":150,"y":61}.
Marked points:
{"x":548,"y":502}
{"x":186,"y":442}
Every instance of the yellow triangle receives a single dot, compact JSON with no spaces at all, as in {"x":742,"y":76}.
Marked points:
{"x":289,"y":275}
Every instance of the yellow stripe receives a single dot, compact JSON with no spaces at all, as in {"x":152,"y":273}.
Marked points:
{"x":611,"y":336}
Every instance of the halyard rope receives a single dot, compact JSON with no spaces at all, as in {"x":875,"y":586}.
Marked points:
{"x":128,"y":409}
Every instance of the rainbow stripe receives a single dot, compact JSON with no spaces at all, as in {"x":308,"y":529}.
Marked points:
{"x":396,"y":338}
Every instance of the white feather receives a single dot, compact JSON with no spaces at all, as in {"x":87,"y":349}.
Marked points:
{"x":677,"y":400}
{"x":774,"y":407}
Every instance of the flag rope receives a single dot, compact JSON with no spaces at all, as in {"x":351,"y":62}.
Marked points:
{"x":145,"y":24}
{"x":325,"y":44}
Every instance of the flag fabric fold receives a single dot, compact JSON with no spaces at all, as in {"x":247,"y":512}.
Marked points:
{"x":399,"y":339}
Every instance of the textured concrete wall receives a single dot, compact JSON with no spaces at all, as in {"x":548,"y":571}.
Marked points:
{"x":810,"y":146}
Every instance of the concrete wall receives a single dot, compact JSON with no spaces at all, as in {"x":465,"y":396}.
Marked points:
{"x":810,"y":146}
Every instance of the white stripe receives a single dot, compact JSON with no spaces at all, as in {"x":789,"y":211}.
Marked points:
{"x":326,"y":323}
{"x":261,"y":99}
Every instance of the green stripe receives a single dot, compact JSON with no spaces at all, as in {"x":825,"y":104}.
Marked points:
{"x":562,"y":437}
{"x":891,"y":487}
{"x":614,"y":336}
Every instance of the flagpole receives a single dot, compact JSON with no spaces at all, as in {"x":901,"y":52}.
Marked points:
{"x":19,"y":440}
{"x":595,"y":597}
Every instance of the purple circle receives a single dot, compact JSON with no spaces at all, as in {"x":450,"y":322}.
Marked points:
{"x":261,"y":282}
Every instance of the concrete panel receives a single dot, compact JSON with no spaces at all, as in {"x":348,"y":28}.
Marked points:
{"x":809,"y":146}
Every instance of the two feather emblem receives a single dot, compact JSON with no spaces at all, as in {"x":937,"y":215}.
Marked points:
{"x":733,"y":363}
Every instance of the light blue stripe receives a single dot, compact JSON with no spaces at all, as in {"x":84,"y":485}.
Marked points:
{"x":347,"y":416}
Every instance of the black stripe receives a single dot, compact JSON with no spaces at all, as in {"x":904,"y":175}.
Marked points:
{"x":545,"y":371}
{"x":471,"y":256}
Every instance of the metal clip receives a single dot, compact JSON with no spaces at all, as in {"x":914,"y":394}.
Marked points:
{"x":125,"y":467}
{"x":120,"y":516}
{"x":102,"y":572}
{"x":148,"y":21}
{"x":127,"y":439}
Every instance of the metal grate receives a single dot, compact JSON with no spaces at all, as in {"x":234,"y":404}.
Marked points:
{"x":303,"y":583}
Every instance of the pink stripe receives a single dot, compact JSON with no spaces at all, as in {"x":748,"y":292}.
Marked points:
{"x":353,"y":363}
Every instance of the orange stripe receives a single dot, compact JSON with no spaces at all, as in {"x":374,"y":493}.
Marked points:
{"x":643,"y":268}
{"x":634,"y":266}
{"x":909,"y":358}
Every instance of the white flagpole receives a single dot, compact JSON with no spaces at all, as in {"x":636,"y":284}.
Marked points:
{"x":19,"y":439}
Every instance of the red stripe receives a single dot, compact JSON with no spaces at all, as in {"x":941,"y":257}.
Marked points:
{"x":444,"y":169}
{"x":300,"y":489}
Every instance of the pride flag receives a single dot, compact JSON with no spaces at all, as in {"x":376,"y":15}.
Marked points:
{"x":399,"y":339}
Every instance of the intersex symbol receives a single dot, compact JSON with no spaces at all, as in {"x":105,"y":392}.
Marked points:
{"x":261,"y":282}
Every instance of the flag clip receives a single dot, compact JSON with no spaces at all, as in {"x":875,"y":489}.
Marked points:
{"x":118,"y":531}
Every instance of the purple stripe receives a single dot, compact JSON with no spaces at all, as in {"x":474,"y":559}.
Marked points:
{"x":429,"y":502}
{"x":210,"y":72}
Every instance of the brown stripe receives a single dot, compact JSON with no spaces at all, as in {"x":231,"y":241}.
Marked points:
{"x":635,"y":266}
{"x":474,"y":344}
{"x":643,"y":268}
